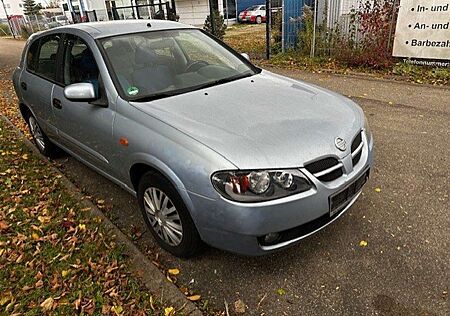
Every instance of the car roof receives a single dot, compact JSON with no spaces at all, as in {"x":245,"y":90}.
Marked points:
{"x":113,"y":28}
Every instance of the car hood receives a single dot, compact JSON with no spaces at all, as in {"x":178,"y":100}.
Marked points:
{"x":264,"y":121}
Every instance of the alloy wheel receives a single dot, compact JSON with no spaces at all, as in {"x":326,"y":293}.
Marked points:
{"x":163,"y":216}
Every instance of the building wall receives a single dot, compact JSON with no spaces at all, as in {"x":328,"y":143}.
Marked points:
{"x":13,"y":7}
{"x":194,"y":12}
{"x":348,"y":5}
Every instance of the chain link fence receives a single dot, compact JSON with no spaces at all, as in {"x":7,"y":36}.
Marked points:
{"x":360,"y":32}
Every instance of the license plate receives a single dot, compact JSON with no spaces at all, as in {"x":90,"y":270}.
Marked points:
{"x":339,"y":200}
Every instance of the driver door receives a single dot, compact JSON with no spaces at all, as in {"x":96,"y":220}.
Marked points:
{"x":83,"y":127}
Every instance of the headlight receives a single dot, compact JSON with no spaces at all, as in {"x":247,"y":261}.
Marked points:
{"x":367,"y":128}
{"x":260,"y":185}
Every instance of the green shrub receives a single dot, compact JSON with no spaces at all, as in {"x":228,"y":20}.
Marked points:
{"x":219,"y":25}
{"x":4,"y":30}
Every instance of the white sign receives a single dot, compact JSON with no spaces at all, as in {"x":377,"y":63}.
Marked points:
{"x":423,"y":29}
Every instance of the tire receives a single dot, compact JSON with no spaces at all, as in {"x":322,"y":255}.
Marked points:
{"x":258,"y":19}
{"x":169,"y":220}
{"x":42,"y":142}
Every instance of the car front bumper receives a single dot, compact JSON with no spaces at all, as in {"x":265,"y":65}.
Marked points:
{"x":240,"y":227}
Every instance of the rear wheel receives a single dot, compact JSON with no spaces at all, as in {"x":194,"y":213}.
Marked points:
{"x":258,"y":19}
{"x":43,"y":143}
{"x":167,"y":217}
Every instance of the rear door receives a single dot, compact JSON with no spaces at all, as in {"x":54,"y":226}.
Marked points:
{"x":83,"y":127}
{"x":38,"y":79}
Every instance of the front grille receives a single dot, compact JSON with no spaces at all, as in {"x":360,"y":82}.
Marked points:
{"x":326,"y":170}
{"x":357,"y":146}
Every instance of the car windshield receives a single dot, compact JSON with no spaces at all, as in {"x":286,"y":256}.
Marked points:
{"x":158,"y":64}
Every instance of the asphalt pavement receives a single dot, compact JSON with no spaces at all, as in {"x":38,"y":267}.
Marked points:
{"x":403,"y":215}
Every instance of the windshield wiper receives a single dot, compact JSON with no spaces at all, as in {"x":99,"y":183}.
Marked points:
{"x":156,"y":96}
{"x":162,"y":95}
{"x":224,"y":80}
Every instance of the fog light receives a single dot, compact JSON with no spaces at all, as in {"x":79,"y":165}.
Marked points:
{"x":271,"y":238}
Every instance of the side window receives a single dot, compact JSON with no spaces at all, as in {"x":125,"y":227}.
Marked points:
{"x":79,"y":62}
{"x":32,"y":56}
{"x":42,"y":60}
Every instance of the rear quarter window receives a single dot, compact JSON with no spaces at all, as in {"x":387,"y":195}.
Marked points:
{"x":32,"y":54}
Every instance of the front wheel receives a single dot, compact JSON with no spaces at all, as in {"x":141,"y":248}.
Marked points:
{"x":167,"y":217}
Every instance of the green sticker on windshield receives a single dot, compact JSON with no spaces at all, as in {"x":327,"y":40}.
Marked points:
{"x":132,"y":90}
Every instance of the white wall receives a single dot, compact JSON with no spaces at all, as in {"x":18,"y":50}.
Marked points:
{"x":194,"y":12}
{"x":90,"y":5}
{"x":13,"y":7}
{"x":348,"y":5}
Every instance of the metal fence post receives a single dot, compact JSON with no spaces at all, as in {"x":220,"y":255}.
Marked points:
{"x":394,"y":5}
{"x":9,"y":22}
{"x":31,"y":24}
{"x":37,"y":22}
{"x":212,"y":18}
{"x":313,"y":42}
{"x":268,"y":22}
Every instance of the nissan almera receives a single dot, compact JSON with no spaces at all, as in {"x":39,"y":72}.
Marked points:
{"x":215,"y":149}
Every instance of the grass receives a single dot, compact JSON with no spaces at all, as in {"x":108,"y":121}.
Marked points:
{"x":54,"y":257}
{"x":248,"y":39}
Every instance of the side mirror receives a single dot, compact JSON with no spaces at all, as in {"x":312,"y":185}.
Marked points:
{"x":246,"y":56}
{"x":80,"y":92}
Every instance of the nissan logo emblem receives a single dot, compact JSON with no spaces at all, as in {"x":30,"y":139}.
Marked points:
{"x":340,"y":144}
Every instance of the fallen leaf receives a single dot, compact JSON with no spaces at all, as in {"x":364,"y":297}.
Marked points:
{"x":239,"y":307}
{"x":281,"y":292}
{"x":44,"y":219}
{"x":174,"y":271}
{"x":35,"y":236}
{"x":117,"y":309}
{"x":65,"y":273}
{"x":82,"y":227}
{"x":47,"y":304}
{"x":3,"y":225}
{"x":363,"y":243}
{"x":5,"y":299}
{"x":378,"y":190}
{"x":169,"y":311}
{"x":194,"y":298}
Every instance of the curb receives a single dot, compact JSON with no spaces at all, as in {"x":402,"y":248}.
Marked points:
{"x":140,"y":266}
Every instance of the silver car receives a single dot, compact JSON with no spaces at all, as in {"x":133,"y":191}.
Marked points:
{"x":215,"y":149}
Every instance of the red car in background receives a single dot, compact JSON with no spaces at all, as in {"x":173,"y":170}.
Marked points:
{"x":253,"y":14}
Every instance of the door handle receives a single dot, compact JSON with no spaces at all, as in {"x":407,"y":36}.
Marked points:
{"x":23,"y":85}
{"x":57,"y":103}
